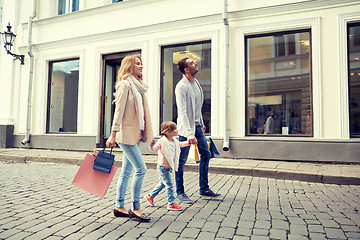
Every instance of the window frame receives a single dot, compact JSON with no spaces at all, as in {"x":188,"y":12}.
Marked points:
{"x":161,"y":106}
{"x":68,"y":7}
{"x":239,"y":86}
{"x":349,"y":25}
{"x":275,"y":35}
{"x":48,"y":102}
{"x":343,"y":21}
{"x":216,"y":109}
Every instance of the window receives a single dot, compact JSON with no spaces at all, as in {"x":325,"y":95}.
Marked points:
{"x":67,"y":6}
{"x":63,"y":96}
{"x":354,"y":78}
{"x":200,"y":52}
{"x":278,"y":84}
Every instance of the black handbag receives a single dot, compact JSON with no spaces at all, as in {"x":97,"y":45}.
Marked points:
{"x":104,"y":161}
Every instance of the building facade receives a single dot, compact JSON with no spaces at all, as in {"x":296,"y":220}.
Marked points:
{"x":281,"y":79}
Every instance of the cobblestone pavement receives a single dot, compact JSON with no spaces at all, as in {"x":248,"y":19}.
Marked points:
{"x":37,"y":201}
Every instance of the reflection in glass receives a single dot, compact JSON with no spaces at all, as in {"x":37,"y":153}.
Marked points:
{"x":354,"y":78}
{"x":171,"y":55}
{"x":279,"y":84}
{"x":63,"y":96}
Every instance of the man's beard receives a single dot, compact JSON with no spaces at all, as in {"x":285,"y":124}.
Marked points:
{"x":194,"y":73}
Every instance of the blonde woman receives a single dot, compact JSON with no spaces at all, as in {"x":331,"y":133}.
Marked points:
{"x":128,"y":129}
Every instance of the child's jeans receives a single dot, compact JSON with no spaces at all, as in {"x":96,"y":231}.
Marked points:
{"x":165,"y":180}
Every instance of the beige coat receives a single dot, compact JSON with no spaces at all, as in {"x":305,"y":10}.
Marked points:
{"x":126,"y":120}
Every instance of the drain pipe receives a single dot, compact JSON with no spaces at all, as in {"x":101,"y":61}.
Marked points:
{"x":31,"y":73}
{"x":226,"y":141}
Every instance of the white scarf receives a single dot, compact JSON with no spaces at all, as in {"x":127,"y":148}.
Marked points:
{"x":139,"y":89}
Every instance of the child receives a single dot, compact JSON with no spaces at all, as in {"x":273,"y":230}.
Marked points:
{"x":168,"y":148}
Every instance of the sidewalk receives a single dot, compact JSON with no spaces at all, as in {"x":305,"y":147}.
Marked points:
{"x":312,"y":172}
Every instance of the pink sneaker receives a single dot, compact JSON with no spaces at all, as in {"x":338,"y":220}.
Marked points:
{"x":174,"y":207}
{"x":149,"y":200}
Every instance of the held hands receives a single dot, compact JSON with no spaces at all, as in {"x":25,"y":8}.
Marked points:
{"x":191,"y":139}
{"x":152,"y":143}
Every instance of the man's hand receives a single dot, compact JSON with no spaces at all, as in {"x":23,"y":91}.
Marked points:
{"x":152,"y":143}
{"x":203,"y":129}
{"x":191,"y":139}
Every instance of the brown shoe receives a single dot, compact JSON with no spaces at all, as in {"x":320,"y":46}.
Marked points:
{"x":142,"y":218}
{"x":118,"y":213}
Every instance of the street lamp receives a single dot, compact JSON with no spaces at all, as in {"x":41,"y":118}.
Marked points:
{"x":9,"y":38}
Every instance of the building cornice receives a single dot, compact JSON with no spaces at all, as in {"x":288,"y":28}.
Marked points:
{"x":215,"y":18}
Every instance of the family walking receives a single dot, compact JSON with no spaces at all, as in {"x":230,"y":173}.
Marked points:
{"x":132,"y":124}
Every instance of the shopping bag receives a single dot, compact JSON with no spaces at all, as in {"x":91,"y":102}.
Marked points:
{"x":104,"y":161}
{"x":213,"y":150}
{"x":196,"y":152}
{"x":91,"y":180}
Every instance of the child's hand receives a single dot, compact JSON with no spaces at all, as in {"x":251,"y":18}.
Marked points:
{"x":152,"y":143}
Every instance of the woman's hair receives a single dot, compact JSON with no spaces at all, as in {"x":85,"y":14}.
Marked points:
{"x":182,"y":65}
{"x":126,"y":67}
{"x":167,"y":126}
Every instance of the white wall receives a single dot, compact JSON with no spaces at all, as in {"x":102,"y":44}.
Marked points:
{"x":147,"y":25}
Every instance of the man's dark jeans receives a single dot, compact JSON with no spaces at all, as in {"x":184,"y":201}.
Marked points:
{"x":204,"y":162}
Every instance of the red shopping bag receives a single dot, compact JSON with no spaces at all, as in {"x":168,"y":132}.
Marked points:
{"x":91,"y":180}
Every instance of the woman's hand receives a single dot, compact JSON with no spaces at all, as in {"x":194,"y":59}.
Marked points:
{"x":110,"y":143}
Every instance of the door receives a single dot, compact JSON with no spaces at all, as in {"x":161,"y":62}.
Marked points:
{"x":110,"y":67}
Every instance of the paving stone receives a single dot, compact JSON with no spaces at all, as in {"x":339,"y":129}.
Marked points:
{"x":259,"y":231}
{"x":68,"y":230}
{"x":296,"y":229}
{"x":335,"y":233}
{"x":169,"y":235}
{"x":317,"y":236}
{"x":190,"y":233}
{"x":240,"y":238}
{"x":316,"y":229}
{"x":210,"y":226}
{"x":280,"y":224}
{"x":277,"y":234}
{"x":296,"y":237}
{"x":259,"y":237}
{"x":262,"y":224}
{"x":206,"y":236}
{"x":225,"y":232}
{"x":355,"y":235}
{"x":244,"y":231}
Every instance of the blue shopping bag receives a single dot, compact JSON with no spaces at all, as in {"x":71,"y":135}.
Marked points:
{"x":104,"y":161}
{"x":213,"y":150}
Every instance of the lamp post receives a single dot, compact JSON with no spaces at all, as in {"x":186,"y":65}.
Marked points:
{"x":9,"y":38}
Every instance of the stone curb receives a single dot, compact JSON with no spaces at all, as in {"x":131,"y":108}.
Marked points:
{"x":268,"y":173}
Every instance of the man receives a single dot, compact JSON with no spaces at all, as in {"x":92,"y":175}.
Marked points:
{"x":269,"y":125}
{"x":189,"y":101}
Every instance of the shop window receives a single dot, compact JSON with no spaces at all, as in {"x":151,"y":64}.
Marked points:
{"x":354,"y":78}
{"x":278,"y":84}
{"x":63,"y":96}
{"x":67,"y":6}
{"x":200,"y":52}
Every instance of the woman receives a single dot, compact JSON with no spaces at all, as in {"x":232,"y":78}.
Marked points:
{"x":129,"y":127}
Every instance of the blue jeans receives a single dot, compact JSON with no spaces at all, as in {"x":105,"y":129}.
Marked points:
{"x":165,"y":180}
{"x":204,"y":162}
{"x":132,"y":158}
